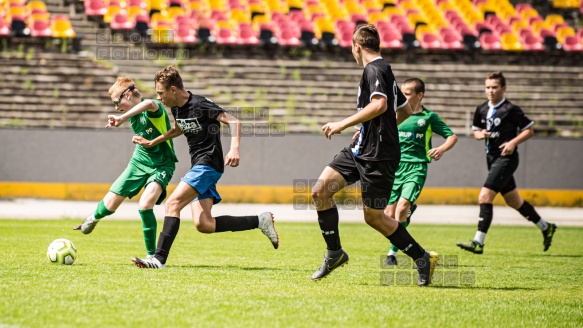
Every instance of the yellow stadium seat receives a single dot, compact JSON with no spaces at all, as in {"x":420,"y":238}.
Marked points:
{"x":564,"y":32}
{"x":61,"y":27}
{"x":553,"y":19}
{"x":511,"y":42}
{"x":36,"y":5}
{"x":111,"y":11}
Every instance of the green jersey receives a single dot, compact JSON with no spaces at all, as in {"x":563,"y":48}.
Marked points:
{"x":150,"y":125}
{"x":415,"y":135}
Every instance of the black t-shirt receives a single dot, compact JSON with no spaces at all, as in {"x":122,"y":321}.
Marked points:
{"x":198,"y":119}
{"x":503,"y":121}
{"x":379,"y":139}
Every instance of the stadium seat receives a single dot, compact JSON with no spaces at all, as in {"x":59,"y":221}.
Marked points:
{"x":185,"y":35}
{"x":61,"y":27}
{"x":121,"y":22}
{"x":288,"y":38}
{"x":391,"y":40}
{"x":430,"y":41}
{"x":95,"y":8}
{"x":41,"y":29}
{"x":4,"y":29}
{"x":247,"y":36}
{"x":573,"y":43}
{"x":142,"y":24}
{"x":533,"y":43}
{"x":510,"y":42}
{"x":489,"y":41}
{"x":225,"y":36}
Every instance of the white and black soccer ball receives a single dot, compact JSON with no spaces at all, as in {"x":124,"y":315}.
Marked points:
{"x":62,"y":251}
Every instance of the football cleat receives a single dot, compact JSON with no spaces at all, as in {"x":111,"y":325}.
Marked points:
{"x":88,"y":225}
{"x":425,"y":266}
{"x":267,"y":226}
{"x":548,"y":236}
{"x":391,"y":260}
{"x":152,"y":263}
{"x":332,"y":260}
{"x":473,"y":246}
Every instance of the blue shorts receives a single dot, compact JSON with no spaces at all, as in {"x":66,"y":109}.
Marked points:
{"x":204,"y":179}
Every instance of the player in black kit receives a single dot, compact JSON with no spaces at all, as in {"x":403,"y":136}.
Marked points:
{"x":503,"y":126}
{"x":372,"y":159}
{"x":198,"y":118}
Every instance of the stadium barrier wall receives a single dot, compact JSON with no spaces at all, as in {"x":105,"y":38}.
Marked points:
{"x":82,"y":164}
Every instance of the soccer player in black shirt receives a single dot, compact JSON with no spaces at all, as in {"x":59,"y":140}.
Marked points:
{"x":503,"y":126}
{"x":372,"y":159}
{"x":198,"y":118}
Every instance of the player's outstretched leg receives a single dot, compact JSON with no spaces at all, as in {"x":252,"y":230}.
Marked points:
{"x":425,"y":267}
{"x":148,"y":263}
{"x":548,"y":236}
{"x":332,"y":260}
{"x":88,"y":225}
{"x":392,"y":255}
{"x":267,"y":226}
{"x":472,"y":246}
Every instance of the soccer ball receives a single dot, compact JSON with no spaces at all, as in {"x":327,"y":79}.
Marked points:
{"x":62,"y":251}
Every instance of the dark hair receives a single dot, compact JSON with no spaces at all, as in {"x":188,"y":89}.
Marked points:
{"x":367,"y":37}
{"x":497,"y":75}
{"x":168,"y":77}
{"x":418,"y":84}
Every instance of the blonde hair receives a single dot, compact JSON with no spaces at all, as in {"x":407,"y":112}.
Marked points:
{"x":121,"y":84}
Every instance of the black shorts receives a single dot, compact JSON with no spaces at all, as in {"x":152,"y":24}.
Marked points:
{"x":376,"y":177}
{"x":501,"y":173}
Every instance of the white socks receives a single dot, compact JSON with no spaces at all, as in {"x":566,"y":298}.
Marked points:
{"x":479,"y":237}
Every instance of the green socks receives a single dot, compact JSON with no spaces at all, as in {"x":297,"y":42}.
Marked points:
{"x":394,"y":249}
{"x":149,"y":226}
{"x":101,"y":211}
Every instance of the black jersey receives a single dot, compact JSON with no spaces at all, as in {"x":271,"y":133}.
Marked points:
{"x":379,"y":139}
{"x":502,"y":121}
{"x":198,"y":119}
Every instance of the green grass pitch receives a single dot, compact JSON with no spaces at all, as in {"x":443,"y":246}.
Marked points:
{"x":239,"y":280}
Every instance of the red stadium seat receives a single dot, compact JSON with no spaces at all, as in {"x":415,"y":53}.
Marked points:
{"x":247,"y":36}
{"x":490,"y":41}
{"x":572,"y":43}
{"x":4,"y":29}
{"x":185,"y":34}
{"x":224,"y":36}
{"x":288,"y":38}
{"x":430,"y":41}
{"x":532,"y":42}
{"x":450,"y":41}
{"x":120,"y":22}
{"x":41,"y":29}
{"x":95,"y":8}
{"x":391,"y":40}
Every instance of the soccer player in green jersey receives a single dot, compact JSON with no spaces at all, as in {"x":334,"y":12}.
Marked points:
{"x":149,"y":168}
{"x":416,"y":152}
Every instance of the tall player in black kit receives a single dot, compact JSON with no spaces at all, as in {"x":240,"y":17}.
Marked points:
{"x":503,"y":126}
{"x":198,"y":118}
{"x":372,"y":159}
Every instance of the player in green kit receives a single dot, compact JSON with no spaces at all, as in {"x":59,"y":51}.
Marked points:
{"x":416,"y":152}
{"x":149,"y":168}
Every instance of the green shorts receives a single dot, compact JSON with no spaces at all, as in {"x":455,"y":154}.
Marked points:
{"x":137,"y":176}
{"x":409,"y":181}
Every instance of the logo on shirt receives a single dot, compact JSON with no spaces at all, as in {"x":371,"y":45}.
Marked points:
{"x":189,"y":125}
{"x":421,"y":122}
{"x":142,"y":120}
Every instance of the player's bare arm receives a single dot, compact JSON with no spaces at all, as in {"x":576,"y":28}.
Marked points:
{"x":509,"y":147}
{"x":481,"y":134}
{"x":117,"y":120}
{"x":232,"y":158}
{"x":437,"y":153}
{"x":403,"y":113}
{"x":176,"y":131}
{"x":376,"y":107}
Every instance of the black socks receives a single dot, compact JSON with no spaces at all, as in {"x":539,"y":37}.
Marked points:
{"x":328,"y":220}
{"x":166,"y":238}
{"x":486,"y":214}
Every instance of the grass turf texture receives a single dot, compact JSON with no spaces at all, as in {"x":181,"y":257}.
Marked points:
{"x":239,"y":280}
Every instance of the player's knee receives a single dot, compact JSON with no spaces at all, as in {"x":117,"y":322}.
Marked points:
{"x":203,"y":226}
